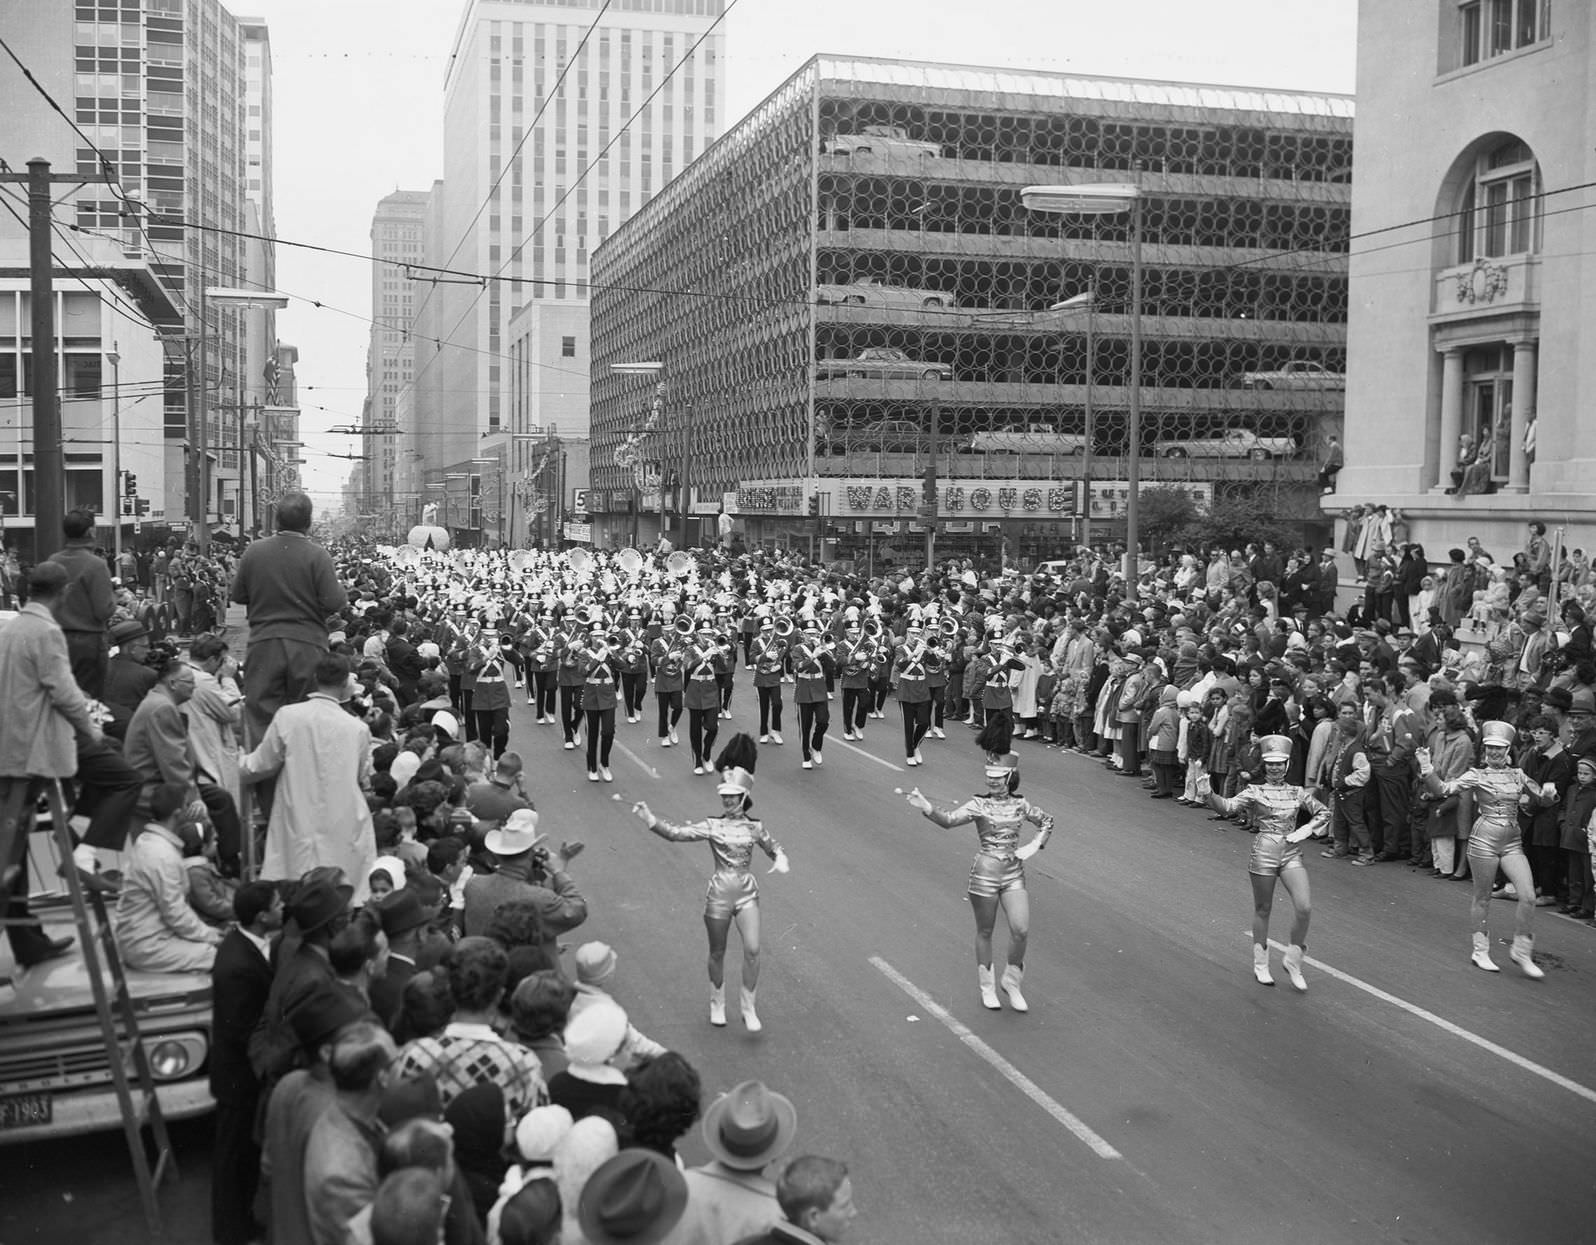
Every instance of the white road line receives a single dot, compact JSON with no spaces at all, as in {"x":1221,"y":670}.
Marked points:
{"x":1007,"y":1070}
{"x":869,"y":756}
{"x":637,"y":760}
{"x":1446,"y":1026}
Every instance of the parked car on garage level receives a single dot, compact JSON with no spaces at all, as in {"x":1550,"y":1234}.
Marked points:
{"x":1231,"y":443}
{"x":1298,"y":374}
{"x":1027,"y":443}
{"x":882,"y":363}
{"x":882,"y":140}
{"x":872,"y":293}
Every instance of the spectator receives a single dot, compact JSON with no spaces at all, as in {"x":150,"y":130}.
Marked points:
{"x":595,"y":969}
{"x":83,"y":607}
{"x":539,"y":1010}
{"x":590,"y":1083}
{"x":635,"y":1196}
{"x":816,"y":1199}
{"x":730,"y":1197}
{"x":520,"y":875}
{"x":215,"y":712}
{"x":44,"y":707}
{"x":157,"y":930}
{"x":318,"y":911}
{"x":491,"y":802}
{"x":340,"y":1158}
{"x":324,"y":761}
{"x":241,"y":979}
{"x":661,"y":1102}
{"x":290,"y":586}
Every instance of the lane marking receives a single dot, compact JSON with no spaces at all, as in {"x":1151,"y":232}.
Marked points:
{"x":869,"y":756}
{"x":636,"y":760}
{"x":1446,"y":1026}
{"x":1007,"y":1070}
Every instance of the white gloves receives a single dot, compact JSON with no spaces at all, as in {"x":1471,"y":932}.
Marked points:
{"x":780,"y":864}
{"x":1549,"y":792}
{"x":1029,"y":850}
{"x":1297,"y":836}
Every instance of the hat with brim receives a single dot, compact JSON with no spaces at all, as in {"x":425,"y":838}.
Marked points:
{"x":735,"y":781}
{"x":1275,"y":748}
{"x":635,"y":1198}
{"x":749,"y":1126}
{"x":518,"y":834}
{"x":401,"y":912}
{"x":317,"y":1011}
{"x":318,"y":903}
{"x":126,"y":632}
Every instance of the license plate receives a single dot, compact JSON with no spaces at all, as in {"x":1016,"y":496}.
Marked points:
{"x":25,"y":1110}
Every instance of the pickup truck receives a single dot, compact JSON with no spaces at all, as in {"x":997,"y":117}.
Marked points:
{"x":1231,"y":443}
{"x":1298,"y":374}
{"x":1027,"y":443}
{"x":884,"y":140}
{"x":55,"y":1073}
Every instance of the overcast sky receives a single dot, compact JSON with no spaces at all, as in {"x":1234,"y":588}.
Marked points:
{"x":358,"y":99}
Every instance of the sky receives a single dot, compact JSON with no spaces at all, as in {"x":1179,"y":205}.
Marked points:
{"x":358,"y":113}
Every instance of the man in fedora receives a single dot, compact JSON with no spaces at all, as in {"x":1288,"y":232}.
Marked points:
{"x":404,"y":921}
{"x":523,"y":873}
{"x":127,"y":678}
{"x":634,"y":1198}
{"x":731,"y":1197}
{"x":319,"y":910}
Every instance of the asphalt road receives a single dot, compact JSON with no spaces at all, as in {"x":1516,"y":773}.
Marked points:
{"x":1154,"y":1093}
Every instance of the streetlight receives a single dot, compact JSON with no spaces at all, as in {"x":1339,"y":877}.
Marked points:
{"x":1112,"y":199}
{"x":656,"y":368}
{"x":114,"y":357}
{"x":264,"y":300}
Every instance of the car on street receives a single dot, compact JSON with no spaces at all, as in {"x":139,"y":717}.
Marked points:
{"x":1027,"y":443}
{"x":1298,"y":374}
{"x":1231,"y":443}
{"x":55,"y":1072}
{"x":872,"y":293}
{"x":882,"y":363}
{"x":882,"y":140}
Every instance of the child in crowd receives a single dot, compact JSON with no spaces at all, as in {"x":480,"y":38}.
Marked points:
{"x":1197,"y":745}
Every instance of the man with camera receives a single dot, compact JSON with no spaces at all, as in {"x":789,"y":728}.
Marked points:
{"x":527,"y":872}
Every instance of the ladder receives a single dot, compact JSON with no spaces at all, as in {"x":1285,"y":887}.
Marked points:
{"x":113,"y":1001}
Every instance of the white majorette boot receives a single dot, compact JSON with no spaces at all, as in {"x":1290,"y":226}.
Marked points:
{"x":1523,"y":954}
{"x":1260,"y":964}
{"x":1482,"y":954}
{"x":1013,"y":974}
{"x":1293,"y":963}
{"x":717,"y":1005}
{"x":989,"y":994}
{"x":750,"y":1016}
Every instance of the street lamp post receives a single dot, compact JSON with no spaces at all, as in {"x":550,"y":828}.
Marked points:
{"x":114,"y":358}
{"x":656,"y":368}
{"x":1112,"y":199}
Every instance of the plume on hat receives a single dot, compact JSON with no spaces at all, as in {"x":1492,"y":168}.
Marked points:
{"x":740,"y":751}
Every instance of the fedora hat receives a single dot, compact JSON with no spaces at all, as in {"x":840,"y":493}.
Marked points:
{"x":518,"y":834}
{"x":749,"y":1126}
{"x":634,"y":1198}
{"x":401,"y":912}
{"x":319,"y":902}
{"x":127,"y":631}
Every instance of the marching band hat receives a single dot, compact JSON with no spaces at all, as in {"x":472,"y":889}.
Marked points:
{"x":1275,"y":748}
{"x":1497,"y":735}
{"x":735,"y":781}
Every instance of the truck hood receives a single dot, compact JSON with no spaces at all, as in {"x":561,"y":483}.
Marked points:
{"x":61,"y":986}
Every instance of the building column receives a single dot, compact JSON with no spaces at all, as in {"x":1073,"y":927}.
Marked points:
{"x":1451,"y":416}
{"x":1523,"y":409}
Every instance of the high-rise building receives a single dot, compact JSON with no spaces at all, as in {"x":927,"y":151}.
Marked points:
{"x":397,"y":244}
{"x":171,"y":99}
{"x":862,"y":327}
{"x":552,"y":137}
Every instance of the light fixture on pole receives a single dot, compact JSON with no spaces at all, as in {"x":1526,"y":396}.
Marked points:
{"x":114,"y":358}
{"x":1085,"y":301}
{"x":228,"y":296}
{"x":1112,"y":199}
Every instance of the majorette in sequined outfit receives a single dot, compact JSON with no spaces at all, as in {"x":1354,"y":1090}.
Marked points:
{"x":733,"y":893}
{"x":997,"y":876}
{"x":1276,"y":853}
{"x":1495,"y":841}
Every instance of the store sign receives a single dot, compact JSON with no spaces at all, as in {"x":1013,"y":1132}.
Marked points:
{"x":1109,"y":497}
{"x":954,"y":499}
{"x":582,"y":532}
{"x":579,"y":500}
{"x":769,"y":499}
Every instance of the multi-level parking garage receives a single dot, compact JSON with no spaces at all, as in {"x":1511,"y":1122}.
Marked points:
{"x":849,"y":299}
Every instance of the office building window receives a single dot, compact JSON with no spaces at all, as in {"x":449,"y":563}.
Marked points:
{"x":1488,"y":28}
{"x":568,"y":347}
{"x":1501,"y":207}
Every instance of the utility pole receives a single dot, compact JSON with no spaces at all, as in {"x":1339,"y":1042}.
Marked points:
{"x":114,"y":358}
{"x":49,"y":472}
{"x":928,"y":498}
{"x":687,"y":462}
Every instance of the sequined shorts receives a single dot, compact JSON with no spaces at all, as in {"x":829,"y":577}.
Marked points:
{"x":730,"y":893}
{"x":992,"y":875}
{"x":1272,"y":855}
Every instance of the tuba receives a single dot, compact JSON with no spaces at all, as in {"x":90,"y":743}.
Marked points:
{"x":784,"y":628}
{"x":629,"y":562}
{"x":679,"y":564}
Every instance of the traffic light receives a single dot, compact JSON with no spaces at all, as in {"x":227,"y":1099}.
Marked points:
{"x":129,"y":507}
{"x":143,"y":505}
{"x":814,"y":505}
{"x":130,"y":484}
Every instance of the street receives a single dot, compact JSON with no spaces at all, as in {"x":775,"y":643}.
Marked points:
{"x":1155,"y":1092}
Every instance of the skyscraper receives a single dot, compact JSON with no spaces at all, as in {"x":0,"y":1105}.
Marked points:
{"x":396,"y":242}
{"x":552,"y":137}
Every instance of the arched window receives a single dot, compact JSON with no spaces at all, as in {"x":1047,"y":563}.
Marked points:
{"x":1501,"y":208}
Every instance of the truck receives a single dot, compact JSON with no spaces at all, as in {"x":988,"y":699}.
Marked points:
{"x":1298,"y":374}
{"x":1231,"y":443}
{"x":55,"y":1073}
